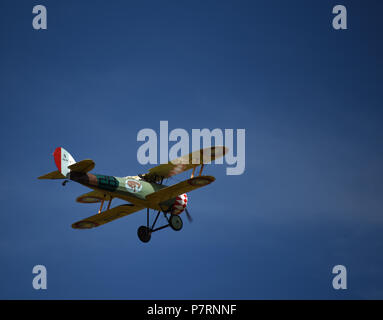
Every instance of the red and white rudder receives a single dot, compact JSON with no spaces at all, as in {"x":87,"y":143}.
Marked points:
{"x":63,"y":160}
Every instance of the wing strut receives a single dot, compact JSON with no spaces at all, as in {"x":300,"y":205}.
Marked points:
{"x":200,"y":171}
{"x":102,"y":204}
{"x":110,"y":201}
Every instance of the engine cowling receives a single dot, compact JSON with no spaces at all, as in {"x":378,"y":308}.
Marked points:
{"x":180,"y":204}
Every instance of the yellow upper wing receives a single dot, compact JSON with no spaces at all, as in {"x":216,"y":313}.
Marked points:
{"x":179,"y":188}
{"x":106,"y":216}
{"x":185,"y":163}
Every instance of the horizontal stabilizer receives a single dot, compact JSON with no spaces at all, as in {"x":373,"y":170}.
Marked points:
{"x":53,"y":175}
{"x":82,"y":166}
{"x":106,"y":216}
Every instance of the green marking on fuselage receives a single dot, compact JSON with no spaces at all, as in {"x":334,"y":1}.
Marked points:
{"x":109,"y":183}
{"x":147,"y":188}
{"x":118,"y":185}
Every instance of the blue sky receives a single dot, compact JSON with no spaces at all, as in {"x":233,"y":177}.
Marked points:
{"x":308,"y":96}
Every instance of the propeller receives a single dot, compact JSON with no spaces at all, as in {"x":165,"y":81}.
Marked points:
{"x":188,"y":215}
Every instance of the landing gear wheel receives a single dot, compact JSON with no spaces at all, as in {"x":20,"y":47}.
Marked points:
{"x":144,"y":234}
{"x":175,"y":222}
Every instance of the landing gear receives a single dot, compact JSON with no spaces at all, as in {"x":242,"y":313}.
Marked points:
{"x":145,"y":232}
{"x":175,"y":222}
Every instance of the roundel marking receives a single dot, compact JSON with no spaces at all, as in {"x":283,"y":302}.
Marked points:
{"x":85,"y":225}
{"x":200,"y":181}
{"x":133,"y":185}
{"x":89,"y":199}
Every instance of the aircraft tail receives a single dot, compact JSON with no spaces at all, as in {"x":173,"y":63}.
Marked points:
{"x":63,"y":160}
{"x":65,"y":164}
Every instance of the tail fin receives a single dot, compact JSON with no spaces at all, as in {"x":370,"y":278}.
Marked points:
{"x":65,"y":164}
{"x":63,"y":160}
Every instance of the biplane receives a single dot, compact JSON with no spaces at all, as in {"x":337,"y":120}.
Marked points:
{"x":144,"y":191}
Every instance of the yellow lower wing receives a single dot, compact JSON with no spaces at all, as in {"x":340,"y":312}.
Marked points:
{"x":93,"y":197}
{"x":106,"y":216}
{"x":179,"y":188}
